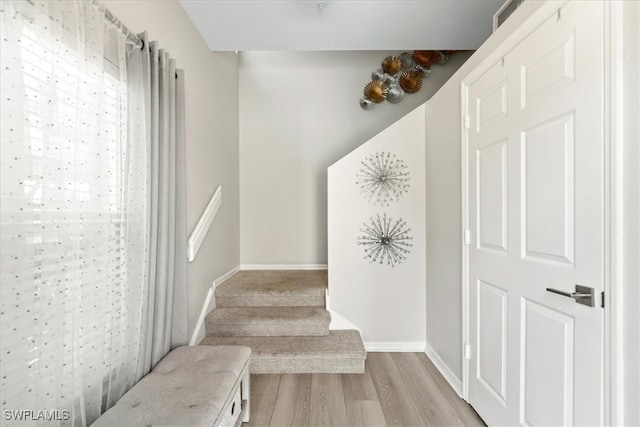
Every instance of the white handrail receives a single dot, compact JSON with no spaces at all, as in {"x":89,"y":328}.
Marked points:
{"x":203,"y":225}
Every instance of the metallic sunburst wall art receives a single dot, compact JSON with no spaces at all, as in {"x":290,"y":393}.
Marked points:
{"x":383,"y":178}
{"x":385,"y":241}
{"x":401,"y":75}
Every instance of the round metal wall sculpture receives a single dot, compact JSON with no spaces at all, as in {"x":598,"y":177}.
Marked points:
{"x":376,"y":91}
{"x":383,"y":178}
{"x":385,"y":241}
{"x":391,"y":65}
{"x":400,"y":75}
{"x":426,"y":58}
{"x":411,"y":81}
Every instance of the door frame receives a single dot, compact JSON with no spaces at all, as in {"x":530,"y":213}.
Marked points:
{"x":613,"y":139}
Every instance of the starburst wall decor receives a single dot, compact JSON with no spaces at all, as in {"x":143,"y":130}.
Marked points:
{"x":383,"y":178}
{"x":384,"y":241}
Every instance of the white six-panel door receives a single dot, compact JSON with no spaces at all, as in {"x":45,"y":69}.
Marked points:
{"x":535,"y":209}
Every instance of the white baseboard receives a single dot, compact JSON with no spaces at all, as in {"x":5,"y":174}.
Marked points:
{"x":395,"y":346}
{"x":444,"y":369}
{"x":283,"y":266}
{"x":198,"y":333}
{"x":209,"y":302}
{"x":226,"y":276}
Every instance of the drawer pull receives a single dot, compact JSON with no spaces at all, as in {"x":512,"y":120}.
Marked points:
{"x":233,"y":408}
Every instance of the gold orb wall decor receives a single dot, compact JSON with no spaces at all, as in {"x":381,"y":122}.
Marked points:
{"x":391,"y":65}
{"x":410,"y":81}
{"x":376,"y":91}
{"x":401,"y":74}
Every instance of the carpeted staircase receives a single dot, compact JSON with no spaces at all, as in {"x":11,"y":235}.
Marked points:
{"x":281,"y":315}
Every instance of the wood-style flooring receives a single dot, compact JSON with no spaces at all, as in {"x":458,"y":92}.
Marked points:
{"x":397,"y":389}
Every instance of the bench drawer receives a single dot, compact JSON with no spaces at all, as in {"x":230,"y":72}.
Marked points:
{"x":231,"y":412}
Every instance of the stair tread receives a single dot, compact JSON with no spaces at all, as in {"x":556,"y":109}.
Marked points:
{"x":339,"y":343}
{"x":274,"y":282}
{"x":268,"y":315}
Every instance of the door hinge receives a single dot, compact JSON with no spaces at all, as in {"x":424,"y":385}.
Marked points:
{"x":467,"y":237}
{"x":602,"y":299}
{"x":466,"y":121}
{"x":467,"y":352}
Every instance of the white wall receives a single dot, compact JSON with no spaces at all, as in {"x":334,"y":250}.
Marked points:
{"x":386,"y":303}
{"x":443,"y":205}
{"x":299,"y":113}
{"x":211,"y":85}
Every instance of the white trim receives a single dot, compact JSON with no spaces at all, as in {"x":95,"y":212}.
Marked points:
{"x":616,"y":89}
{"x":395,"y":346}
{"x":464,"y":153}
{"x":226,"y":276}
{"x":204,"y":223}
{"x":444,"y":369}
{"x":199,"y":332}
{"x":244,"y":267}
{"x":610,"y":132}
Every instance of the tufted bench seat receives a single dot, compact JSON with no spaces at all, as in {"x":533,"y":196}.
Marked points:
{"x":192,"y":386}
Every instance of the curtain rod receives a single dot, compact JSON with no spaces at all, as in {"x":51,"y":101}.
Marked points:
{"x":115,"y":21}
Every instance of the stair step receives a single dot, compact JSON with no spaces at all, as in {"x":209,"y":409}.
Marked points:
{"x":273,"y":289}
{"x":340,"y":352}
{"x":268,"y":321}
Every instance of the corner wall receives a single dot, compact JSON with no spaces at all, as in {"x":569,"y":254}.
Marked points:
{"x":387,"y":304}
{"x":211,"y":86}
{"x":299,"y":113}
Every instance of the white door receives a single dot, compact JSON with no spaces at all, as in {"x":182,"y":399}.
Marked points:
{"x":535,"y":180}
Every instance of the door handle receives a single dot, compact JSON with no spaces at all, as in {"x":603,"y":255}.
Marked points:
{"x":583,"y":295}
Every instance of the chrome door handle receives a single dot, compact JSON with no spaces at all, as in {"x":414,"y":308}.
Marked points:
{"x":583,"y":295}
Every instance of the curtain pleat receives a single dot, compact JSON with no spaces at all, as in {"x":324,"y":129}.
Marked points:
{"x":165,"y":317}
{"x":179,"y":329}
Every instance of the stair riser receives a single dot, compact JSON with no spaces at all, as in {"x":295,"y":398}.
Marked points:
{"x":271,"y":301}
{"x":279,"y":365}
{"x":293,"y":329}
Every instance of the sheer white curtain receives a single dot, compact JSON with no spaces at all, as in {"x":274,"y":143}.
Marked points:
{"x":74,"y":245}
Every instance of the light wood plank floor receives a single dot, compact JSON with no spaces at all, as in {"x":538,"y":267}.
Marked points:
{"x":397,"y":389}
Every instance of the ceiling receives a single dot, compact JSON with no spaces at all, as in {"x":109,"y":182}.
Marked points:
{"x":342,"y":24}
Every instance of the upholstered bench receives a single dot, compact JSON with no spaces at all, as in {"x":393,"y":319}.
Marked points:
{"x":192,"y":386}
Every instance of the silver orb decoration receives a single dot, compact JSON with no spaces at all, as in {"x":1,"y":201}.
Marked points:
{"x":396,"y":94}
{"x":407,"y":60}
{"x":426,"y":71}
{"x":366,"y":104}
{"x":390,"y":80}
{"x":378,"y":75}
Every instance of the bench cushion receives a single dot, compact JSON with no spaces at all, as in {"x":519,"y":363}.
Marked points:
{"x":189,"y":387}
